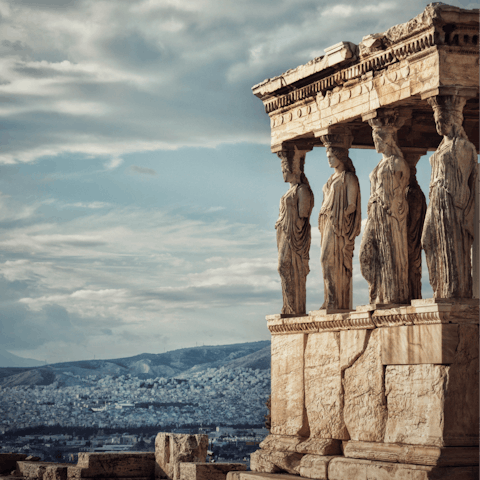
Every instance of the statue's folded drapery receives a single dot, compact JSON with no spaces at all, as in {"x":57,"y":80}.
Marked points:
{"x":338,"y":230}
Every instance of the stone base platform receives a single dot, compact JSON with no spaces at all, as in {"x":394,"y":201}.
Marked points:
{"x":341,"y":468}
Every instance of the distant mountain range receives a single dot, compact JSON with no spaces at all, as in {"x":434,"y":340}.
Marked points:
{"x":8,"y":359}
{"x":177,"y":363}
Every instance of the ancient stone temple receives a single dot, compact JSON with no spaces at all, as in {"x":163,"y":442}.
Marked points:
{"x":387,"y":390}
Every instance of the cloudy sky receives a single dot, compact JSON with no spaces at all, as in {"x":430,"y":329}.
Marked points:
{"x":138,"y":194}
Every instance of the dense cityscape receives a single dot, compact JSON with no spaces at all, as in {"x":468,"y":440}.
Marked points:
{"x":115,"y":413}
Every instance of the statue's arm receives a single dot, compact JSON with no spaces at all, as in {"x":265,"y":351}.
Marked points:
{"x":402,"y":170}
{"x":304,"y":202}
{"x":352,"y":194}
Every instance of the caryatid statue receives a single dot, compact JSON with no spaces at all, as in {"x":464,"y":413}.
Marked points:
{"x":384,"y":248}
{"x":293,"y":232}
{"x":417,"y":207}
{"x":449,"y":223}
{"x":339,"y":222}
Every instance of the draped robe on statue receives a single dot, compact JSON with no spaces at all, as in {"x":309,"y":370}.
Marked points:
{"x":293,"y":241}
{"x":338,"y":231}
{"x":384,"y":249}
{"x":449,"y":225}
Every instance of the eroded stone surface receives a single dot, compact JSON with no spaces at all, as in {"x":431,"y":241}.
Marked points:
{"x":269,"y":461}
{"x":208,"y":471}
{"x":365,"y":410}
{"x":285,"y":443}
{"x":347,"y":468}
{"x":412,"y":454}
{"x":173,"y":448}
{"x":288,"y":407}
{"x":436,"y":404}
{"x":55,"y":472}
{"x":462,"y":396}
{"x":352,"y":345}
{"x":415,"y":399}
{"x":261,"y":476}
{"x":32,"y":469}
{"x":124,"y":464}
{"x":410,"y":345}
{"x":281,"y":443}
{"x":323,"y":386}
{"x":320,"y":446}
{"x":315,"y":466}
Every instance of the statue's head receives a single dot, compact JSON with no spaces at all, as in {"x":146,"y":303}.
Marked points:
{"x":338,"y":157}
{"x":384,"y":130}
{"x":447,"y":111}
{"x":293,"y":164}
{"x":383,"y":137}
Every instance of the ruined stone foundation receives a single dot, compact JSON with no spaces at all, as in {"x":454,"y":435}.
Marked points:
{"x":375,"y":393}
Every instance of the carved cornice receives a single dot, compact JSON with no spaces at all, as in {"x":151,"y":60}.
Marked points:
{"x":365,"y":318}
{"x":465,"y":42}
{"x":377,"y":61}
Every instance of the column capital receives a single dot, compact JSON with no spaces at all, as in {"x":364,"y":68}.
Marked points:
{"x":384,"y":117}
{"x":304,"y":146}
{"x":339,"y":136}
{"x":467,"y":92}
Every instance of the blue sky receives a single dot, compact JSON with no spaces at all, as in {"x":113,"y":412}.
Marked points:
{"x":138,"y":194}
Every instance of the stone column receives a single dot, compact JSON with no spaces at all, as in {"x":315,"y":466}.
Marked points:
{"x":339,"y":221}
{"x":294,"y":232}
{"x":476,"y":240}
{"x":384,"y":247}
{"x":449,"y":228}
{"x":417,"y":207}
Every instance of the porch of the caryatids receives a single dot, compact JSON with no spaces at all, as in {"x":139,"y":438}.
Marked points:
{"x":417,"y":207}
{"x":294,"y":231}
{"x":449,"y":228}
{"x":339,"y":220}
{"x":384,"y":247}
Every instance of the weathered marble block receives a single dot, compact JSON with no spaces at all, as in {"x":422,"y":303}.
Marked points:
{"x":323,"y":386}
{"x":436,"y":404}
{"x":315,"y":466}
{"x":352,"y":344}
{"x":365,"y":409}
{"x":113,"y":465}
{"x":32,"y":469}
{"x":416,"y":344}
{"x":349,"y":468}
{"x":173,"y":448}
{"x":268,"y":461}
{"x":412,"y":454}
{"x":288,"y":407}
{"x":260,"y":476}
{"x":208,"y":471}
{"x":317,"y":446}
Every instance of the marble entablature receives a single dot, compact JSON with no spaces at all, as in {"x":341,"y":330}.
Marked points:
{"x":434,"y":54}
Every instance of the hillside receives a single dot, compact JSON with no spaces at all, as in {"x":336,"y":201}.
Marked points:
{"x":8,"y":359}
{"x":177,"y":363}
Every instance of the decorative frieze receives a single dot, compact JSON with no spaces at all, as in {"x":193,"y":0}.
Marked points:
{"x":367,"y":317}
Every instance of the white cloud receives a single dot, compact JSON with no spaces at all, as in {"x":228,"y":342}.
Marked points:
{"x":113,"y":163}
{"x":90,"y":205}
{"x":112,"y":77}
